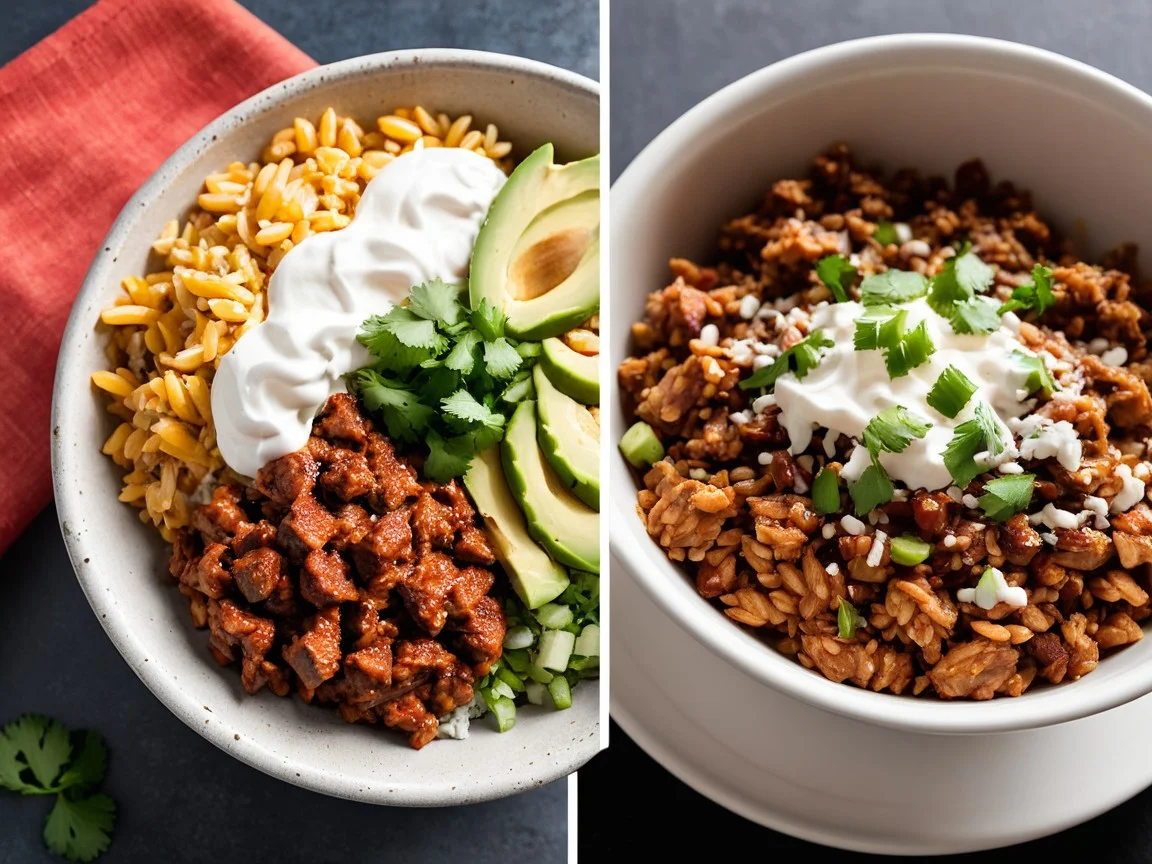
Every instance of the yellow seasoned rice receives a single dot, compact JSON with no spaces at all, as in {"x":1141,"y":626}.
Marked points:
{"x":169,"y":328}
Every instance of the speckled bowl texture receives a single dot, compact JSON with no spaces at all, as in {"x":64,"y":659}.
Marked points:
{"x":122,"y":565}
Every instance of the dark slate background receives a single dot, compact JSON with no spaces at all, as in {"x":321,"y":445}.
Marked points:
{"x":667,"y":55}
{"x":181,"y":799}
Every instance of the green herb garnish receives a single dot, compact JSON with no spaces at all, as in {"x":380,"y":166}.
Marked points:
{"x":1036,"y":296}
{"x":909,"y":550}
{"x":442,"y":375}
{"x":976,"y":315}
{"x":892,"y":287}
{"x":963,"y":277}
{"x":848,"y":619}
{"x":1038,"y":378}
{"x":892,"y":430}
{"x":880,"y":327}
{"x":872,"y":489}
{"x":951,"y":392}
{"x":37,"y":757}
{"x":1004,"y":497}
{"x":801,"y":358}
{"x":837,"y":273}
{"x":978,"y":435}
{"x":885,"y":234}
{"x":826,"y":492}
{"x":913,"y":349}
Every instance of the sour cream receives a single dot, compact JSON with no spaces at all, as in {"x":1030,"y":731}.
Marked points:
{"x":417,"y":220}
{"x":850,"y":387}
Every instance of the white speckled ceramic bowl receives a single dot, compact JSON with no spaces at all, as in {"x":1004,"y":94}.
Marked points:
{"x":121,"y":564}
{"x":1073,"y":135}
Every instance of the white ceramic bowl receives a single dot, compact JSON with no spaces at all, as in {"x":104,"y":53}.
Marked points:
{"x":121,"y":564}
{"x":1076,"y":137}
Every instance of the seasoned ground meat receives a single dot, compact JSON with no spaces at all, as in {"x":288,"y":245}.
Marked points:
{"x":732,"y":503}
{"x":342,"y":576}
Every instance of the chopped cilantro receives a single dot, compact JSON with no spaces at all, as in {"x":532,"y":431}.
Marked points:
{"x":1006,"y":496}
{"x":826,"y":492}
{"x":892,"y":287}
{"x":976,"y":315}
{"x":893,"y":429}
{"x":885,"y":234}
{"x":837,"y":273}
{"x":913,"y":348}
{"x":1036,"y":296}
{"x":879,"y":327}
{"x":1037,"y":376}
{"x":951,"y":392}
{"x":978,"y":435}
{"x":963,"y":277}
{"x":847,"y":619}
{"x":872,"y":489}
{"x":801,"y":358}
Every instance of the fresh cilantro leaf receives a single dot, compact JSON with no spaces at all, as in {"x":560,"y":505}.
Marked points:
{"x":837,"y":273}
{"x":448,"y":457}
{"x":486,"y":436}
{"x":1004,"y":497}
{"x":885,"y":234}
{"x":848,"y":619}
{"x":1035,"y":370}
{"x":501,"y":359}
{"x":414,"y":331}
{"x":879,"y":327}
{"x":87,"y":769}
{"x":990,"y":426}
{"x":12,"y":768}
{"x":80,"y":829}
{"x":872,"y":489}
{"x":914,"y":348}
{"x":437,"y":301}
{"x":403,"y":413}
{"x":893,"y":429}
{"x":389,"y":353}
{"x":892,"y":287}
{"x":964,"y":275}
{"x":951,"y":392}
{"x":489,"y":320}
{"x":462,"y":357}
{"x":464,"y":406}
{"x":975,"y":315}
{"x":978,"y":435}
{"x":801,"y":358}
{"x":44,"y":744}
{"x":1036,"y":296}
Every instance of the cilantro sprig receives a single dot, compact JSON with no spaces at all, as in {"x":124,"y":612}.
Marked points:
{"x":837,"y":273}
{"x":1004,"y":497}
{"x":981,"y":434}
{"x":443,"y":375}
{"x":893,"y":429}
{"x":1036,"y":296}
{"x":892,"y":287}
{"x":963,"y":277}
{"x":801,"y":358}
{"x":881,"y":327}
{"x":38,"y":756}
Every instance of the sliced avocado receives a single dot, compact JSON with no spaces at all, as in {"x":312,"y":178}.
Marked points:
{"x":536,"y":578}
{"x":567,"y":528}
{"x":574,"y":374}
{"x":570,"y":437}
{"x":537,"y":256}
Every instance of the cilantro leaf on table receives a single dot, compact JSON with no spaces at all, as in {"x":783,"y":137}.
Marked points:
{"x":975,"y":315}
{"x":1036,"y":296}
{"x":36,"y":758}
{"x":837,"y":273}
{"x":963,"y":277}
{"x":437,"y":301}
{"x":1004,"y":497}
{"x":501,"y":358}
{"x":892,"y":287}
{"x":80,"y":829}
{"x":893,"y":429}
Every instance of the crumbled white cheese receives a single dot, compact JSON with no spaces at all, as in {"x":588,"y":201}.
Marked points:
{"x":949,"y":541}
{"x":876,"y":550}
{"x":857,"y":463}
{"x":1050,"y":440}
{"x":833,"y":569}
{"x":1097,"y":507}
{"x":710,"y":334}
{"x":761,"y":360}
{"x":992,"y":589}
{"x":698,"y":473}
{"x":741,"y":352}
{"x":852,"y":525}
{"x":1117,"y":356}
{"x":899,"y":494}
{"x":1053,"y":517}
{"x":854,"y":259}
{"x":955,"y":493}
{"x":762,"y":403}
{"x":828,"y":531}
{"x":1049,"y":538}
{"x":455,"y":723}
{"x":1130,"y":493}
{"x":739,"y":418}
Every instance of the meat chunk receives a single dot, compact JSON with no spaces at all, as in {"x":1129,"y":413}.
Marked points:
{"x":409,"y":714}
{"x":230,"y":626}
{"x":253,"y":535}
{"x":287,"y":478}
{"x":365,"y":626}
{"x":837,"y":660}
{"x":307,"y":526}
{"x":425,"y":593}
{"x":1051,"y":656}
{"x":1019,"y":541}
{"x":315,"y":655}
{"x":347,"y":476}
{"x":388,"y":541}
{"x":1133,"y":549}
{"x":374,"y":663}
{"x":472,"y":544}
{"x":342,"y":423}
{"x":974,"y":669}
{"x":395,"y":480}
{"x":210,"y":576}
{"x":352,"y":524}
{"x":220,"y":518}
{"x":324,"y":580}
{"x":482,"y":634}
{"x":1082,"y":548}
{"x":258,"y":573}
{"x":433,"y":524}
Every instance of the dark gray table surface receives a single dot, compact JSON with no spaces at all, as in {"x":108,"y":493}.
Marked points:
{"x":667,"y":55}
{"x":181,"y":799}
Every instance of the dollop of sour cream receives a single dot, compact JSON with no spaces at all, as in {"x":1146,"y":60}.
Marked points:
{"x":849,"y":387}
{"x":417,"y":220}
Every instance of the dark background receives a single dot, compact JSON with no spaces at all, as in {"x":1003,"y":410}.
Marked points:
{"x":181,"y":799}
{"x":667,"y":55}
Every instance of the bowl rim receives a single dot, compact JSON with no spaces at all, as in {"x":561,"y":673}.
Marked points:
{"x":648,"y":565}
{"x":437,"y":791}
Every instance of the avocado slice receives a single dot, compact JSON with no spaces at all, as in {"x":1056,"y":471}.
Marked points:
{"x":570,"y":437}
{"x":564,"y":525}
{"x":573,"y":373}
{"x":537,"y":256}
{"x":536,"y":578}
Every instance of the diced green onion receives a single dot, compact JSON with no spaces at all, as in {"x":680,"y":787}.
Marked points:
{"x":502,"y":689}
{"x":539,"y":674}
{"x":554,"y":616}
{"x":517,"y":659}
{"x":914,"y":348}
{"x":951,"y":392}
{"x":640,"y":445}
{"x":579,"y":663}
{"x":826,"y":492}
{"x":588,"y":642}
{"x":560,"y":692}
{"x":555,"y":649}
{"x":519,"y":637}
{"x":510,"y":678}
{"x":504,"y":710}
{"x":909,"y":550}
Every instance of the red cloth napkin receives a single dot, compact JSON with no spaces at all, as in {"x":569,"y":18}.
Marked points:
{"x":86,"y":116}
